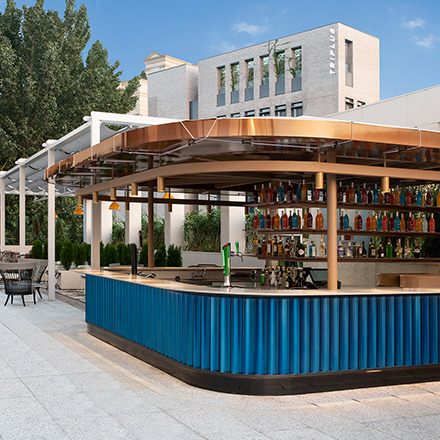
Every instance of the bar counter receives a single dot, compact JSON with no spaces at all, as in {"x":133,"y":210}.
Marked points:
{"x":253,"y":341}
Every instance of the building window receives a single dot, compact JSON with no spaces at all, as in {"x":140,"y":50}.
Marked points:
{"x":296,"y":60}
{"x":250,"y":74}
{"x":280,"y":110}
{"x":221,"y":73}
{"x":361,"y":103}
{"x":235,"y":77}
{"x":221,"y":117}
{"x":265,"y":70}
{"x":349,"y":63}
{"x":297,"y":109}
{"x":249,"y":113}
{"x":235,"y":115}
{"x":349,"y":103}
{"x":265,"y":111}
{"x":279,"y":60}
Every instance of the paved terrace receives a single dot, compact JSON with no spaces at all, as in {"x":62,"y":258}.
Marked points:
{"x":57,"y":382}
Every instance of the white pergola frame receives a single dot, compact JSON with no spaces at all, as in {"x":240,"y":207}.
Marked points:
{"x":27,"y":177}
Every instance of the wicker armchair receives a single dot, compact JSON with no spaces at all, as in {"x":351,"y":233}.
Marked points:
{"x":17,"y":279}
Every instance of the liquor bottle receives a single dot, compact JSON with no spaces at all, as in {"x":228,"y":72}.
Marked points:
{"x":294,"y":220}
{"x":309,"y":220}
{"x":381,"y":198}
{"x":363,"y":251}
{"x":368,"y":223}
{"x":379,"y":222}
{"x":364,"y":196}
{"x":269,"y":247}
{"x":272,"y":221}
{"x":262,"y":194}
{"x":287,"y":249}
{"x":256,"y":221}
{"x":341,"y":221}
{"x":315,"y":194}
{"x":346,"y":222}
{"x":352,"y":194}
{"x":407,"y":249}
{"x":432,"y":224}
{"x":402,"y":224}
{"x":428,"y":198}
{"x":358,"y":196}
{"x":375,"y":194}
{"x":409,"y":197}
{"x":322,"y":248}
{"x":319,"y":220}
{"x":306,"y":211}
{"x":397,"y":195}
{"x":269,"y":195}
{"x":298,"y":193}
{"x":290,"y":220}
{"x":399,"y":250}
{"x":350,"y":249}
{"x":255,"y":195}
{"x":293,"y":247}
{"x":438,"y":198}
{"x":299,"y":219}
{"x":281,"y":193}
{"x":273,"y":278}
{"x":301,"y":250}
{"x":280,"y":248}
{"x":402,"y":197}
{"x":381,"y":251}
{"x":304,"y":192}
{"x":385,"y":222}
{"x":419,"y":223}
{"x":289,"y":193}
{"x":347,"y":195}
{"x":390,"y":251}
{"x":285,"y":221}
{"x":417,"y":250}
{"x":263,"y":276}
{"x":262,"y":220}
{"x":264,"y":247}
{"x":312,"y":250}
{"x":397,"y":222}
{"x":391,"y":202}
{"x":359,"y":222}
{"x":355,"y":222}
{"x":341,"y":250}
{"x":410,"y":224}
{"x":425,"y":224}
{"x":386,"y":198}
{"x":268,"y":220}
{"x":275,"y":246}
{"x":419,"y":197}
{"x":259,"y":248}
{"x":369,"y":197}
{"x":374,"y":222}
{"x":340,"y":193}
{"x":371,"y":249}
{"x":391,"y":222}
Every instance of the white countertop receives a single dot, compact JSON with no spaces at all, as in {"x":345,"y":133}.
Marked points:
{"x":240,"y":291}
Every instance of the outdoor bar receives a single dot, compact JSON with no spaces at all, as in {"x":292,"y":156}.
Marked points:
{"x":256,"y":339}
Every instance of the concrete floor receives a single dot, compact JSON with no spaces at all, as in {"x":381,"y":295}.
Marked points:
{"x":57,"y":382}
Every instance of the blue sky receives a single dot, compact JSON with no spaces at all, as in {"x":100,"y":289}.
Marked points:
{"x":409,"y":32}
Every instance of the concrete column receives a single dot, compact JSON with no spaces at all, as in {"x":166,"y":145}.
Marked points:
{"x":233,"y":223}
{"x":22,"y":209}
{"x":332,"y":233}
{"x":106,"y":222}
{"x":96,"y":234}
{"x":133,"y":223}
{"x":2,"y":213}
{"x":51,"y":229}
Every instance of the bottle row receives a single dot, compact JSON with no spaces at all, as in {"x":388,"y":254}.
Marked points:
{"x":281,"y":277}
{"x":303,"y":193}
{"x":381,"y":222}
{"x":291,"y":247}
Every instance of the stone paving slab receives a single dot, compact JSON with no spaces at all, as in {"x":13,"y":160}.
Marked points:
{"x":57,"y":382}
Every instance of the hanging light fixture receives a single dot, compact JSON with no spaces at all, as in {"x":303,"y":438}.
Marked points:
{"x":78,"y":210}
{"x":134,"y":189}
{"x":95,"y":197}
{"x":385,"y":184}
{"x":56,"y":215}
{"x":160,"y":184}
{"x":114,"y":205}
{"x":319,"y":176}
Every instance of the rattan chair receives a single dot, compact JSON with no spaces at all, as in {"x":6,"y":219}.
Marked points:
{"x":38,"y":274}
{"x":17,"y":279}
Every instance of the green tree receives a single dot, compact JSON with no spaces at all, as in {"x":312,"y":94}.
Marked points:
{"x":45,"y":86}
{"x":201,"y":231}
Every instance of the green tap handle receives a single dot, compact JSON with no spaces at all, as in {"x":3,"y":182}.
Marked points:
{"x":237,"y":244}
{"x":225,"y":252}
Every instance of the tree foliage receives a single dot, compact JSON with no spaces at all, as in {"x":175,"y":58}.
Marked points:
{"x":45,"y":86}
{"x":202,"y":231}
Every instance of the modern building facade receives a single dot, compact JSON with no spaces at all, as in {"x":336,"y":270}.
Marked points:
{"x":314,"y":73}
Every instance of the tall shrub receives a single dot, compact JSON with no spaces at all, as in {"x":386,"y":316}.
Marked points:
{"x":66,"y":257}
{"x":174,"y":256}
{"x":160,"y":257}
{"x":202,"y":231}
{"x":37,"y":250}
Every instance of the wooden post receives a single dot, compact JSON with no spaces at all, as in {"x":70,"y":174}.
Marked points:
{"x":150,"y":218}
{"x":332,"y":233}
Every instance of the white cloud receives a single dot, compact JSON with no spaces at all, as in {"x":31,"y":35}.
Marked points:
{"x":223,"y":46}
{"x":427,"y":42}
{"x":412,"y":24}
{"x":251,"y":29}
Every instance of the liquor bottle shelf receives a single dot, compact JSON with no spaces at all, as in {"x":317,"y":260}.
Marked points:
{"x":341,"y":205}
{"x":345,"y":232}
{"x":353,"y":260}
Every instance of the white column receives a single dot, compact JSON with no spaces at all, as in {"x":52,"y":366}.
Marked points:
{"x":106,"y":222}
{"x":96,"y":235}
{"x":174,"y":224}
{"x":51,"y":229}
{"x":2,"y":213}
{"x":233,"y":223}
{"x":22,"y":209}
{"x":87,"y":231}
{"x":133,"y":223}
